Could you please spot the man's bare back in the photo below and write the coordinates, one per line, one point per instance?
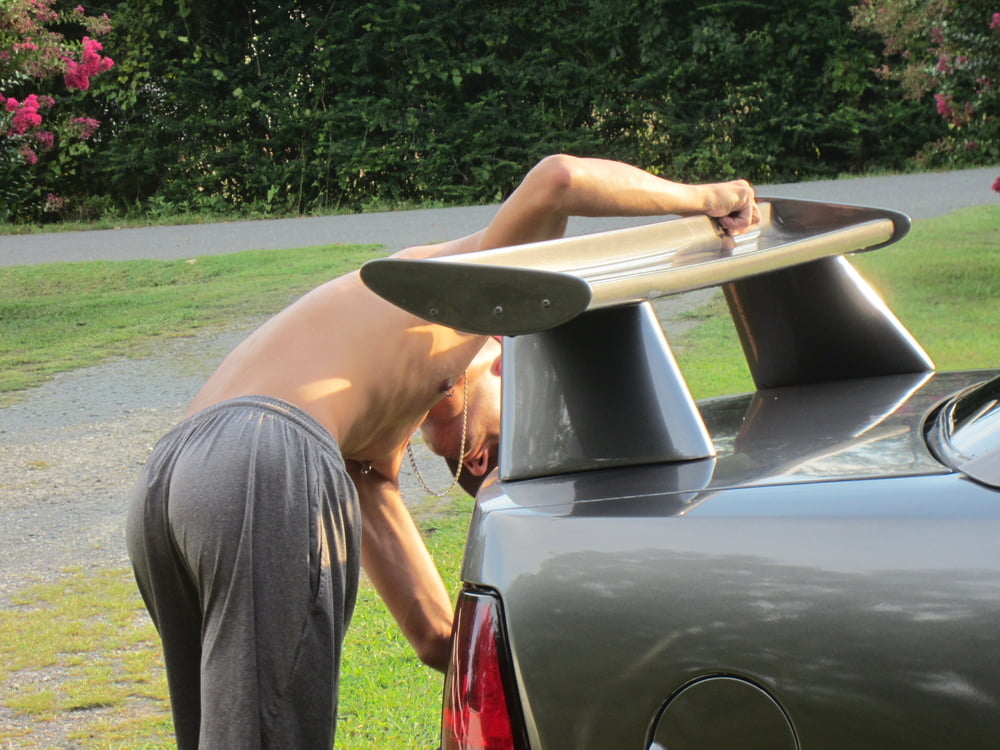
(364, 369)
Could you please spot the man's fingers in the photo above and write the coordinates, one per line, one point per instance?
(741, 219)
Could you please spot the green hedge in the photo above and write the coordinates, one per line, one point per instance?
(298, 106)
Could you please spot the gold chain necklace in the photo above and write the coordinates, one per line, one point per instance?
(461, 450)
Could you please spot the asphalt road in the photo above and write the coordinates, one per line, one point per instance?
(920, 196)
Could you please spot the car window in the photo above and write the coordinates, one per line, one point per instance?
(969, 432)
(975, 421)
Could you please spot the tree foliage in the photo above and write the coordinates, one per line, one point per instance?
(300, 105)
(946, 52)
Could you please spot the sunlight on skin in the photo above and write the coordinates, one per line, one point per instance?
(318, 390)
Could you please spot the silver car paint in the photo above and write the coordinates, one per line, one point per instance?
(824, 556)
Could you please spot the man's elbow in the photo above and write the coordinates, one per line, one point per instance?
(435, 651)
(552, 179)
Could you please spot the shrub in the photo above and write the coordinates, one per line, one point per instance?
(947, 54)
(41, 64)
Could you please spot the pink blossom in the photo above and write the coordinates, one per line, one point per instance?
(43, 13)
(76, 77)
(943, 104)
(78, 74)
(45, 139)
(53, 203)
(995, 22)
(85, 126)
(937, 35)
(25, 114)
(957, 115)
(943, 65)
(29, 156)
(24, 120)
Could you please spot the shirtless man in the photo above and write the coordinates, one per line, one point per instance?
(247, 526)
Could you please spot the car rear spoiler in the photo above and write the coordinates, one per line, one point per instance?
(589, 378)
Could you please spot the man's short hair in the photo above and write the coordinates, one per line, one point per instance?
(468, 481)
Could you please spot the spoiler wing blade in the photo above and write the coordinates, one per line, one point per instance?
(525, 289)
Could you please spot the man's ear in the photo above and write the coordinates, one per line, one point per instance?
(496, 368)
(478, 464)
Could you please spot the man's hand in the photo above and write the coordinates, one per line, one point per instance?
(733, 204)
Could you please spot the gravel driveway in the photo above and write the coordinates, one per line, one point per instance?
(70, 451)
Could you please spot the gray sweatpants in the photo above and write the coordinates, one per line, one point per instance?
(244, 535)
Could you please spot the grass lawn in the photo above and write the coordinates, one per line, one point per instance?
(79, 661)
(63, 316)
(80, 665)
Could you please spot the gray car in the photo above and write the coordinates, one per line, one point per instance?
(811, 565)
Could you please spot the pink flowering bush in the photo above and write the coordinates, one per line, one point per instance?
(78, 74)
(41, 64)
(949, 50)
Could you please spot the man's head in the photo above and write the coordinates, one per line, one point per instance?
(442, 429)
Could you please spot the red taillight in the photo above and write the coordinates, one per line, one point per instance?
(477, 708)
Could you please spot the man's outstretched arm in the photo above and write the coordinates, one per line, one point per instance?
(561, 186)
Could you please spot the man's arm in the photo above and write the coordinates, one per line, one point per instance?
(561, 186)
(396, 560)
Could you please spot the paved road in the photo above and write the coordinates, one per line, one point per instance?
(920, 196)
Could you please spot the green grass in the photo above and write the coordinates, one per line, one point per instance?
(944, 282)
(62, 316)
(388, 700)
(81, 653)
